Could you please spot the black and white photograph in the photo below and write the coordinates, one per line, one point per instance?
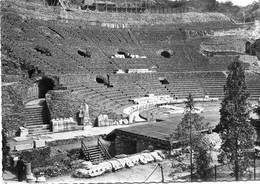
(130, 91)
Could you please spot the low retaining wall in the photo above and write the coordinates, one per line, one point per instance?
(76, 140)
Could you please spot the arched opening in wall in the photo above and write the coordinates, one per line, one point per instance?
(100, 80)
(124, 52)
(248, 47)
(45, 85)
(165, 54)
(163, 80)
(84, 53)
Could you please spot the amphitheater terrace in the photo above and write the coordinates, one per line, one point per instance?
(98, 81)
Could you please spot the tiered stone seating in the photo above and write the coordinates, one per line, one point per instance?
(157, 35)
(253, 87)
(186, 70)
(153, 86)
(138, 85)
(130, 63)
(181, 87)
(109, 98)
(214, 84)
(130, 89)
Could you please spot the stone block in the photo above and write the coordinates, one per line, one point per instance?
(23, 146)
(23, 132)
(39, 143)
(87, 127)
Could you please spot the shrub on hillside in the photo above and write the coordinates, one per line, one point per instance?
(37, 157)
(12, 116)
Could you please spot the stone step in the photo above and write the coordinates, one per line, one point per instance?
(35, 129)
(43, 126)
(30, 118)
(35, 112)
(39, 132)
(41, 114)
(35, 109)
(95, 154)
(37, 121)
(97, 157)
(93, 147)
(94, 150)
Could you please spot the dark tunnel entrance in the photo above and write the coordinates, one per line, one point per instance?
(45, 85)
(166, 54)
(101, 80)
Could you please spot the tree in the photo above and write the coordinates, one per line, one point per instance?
(5, 150)
(188, 134)
(212, 5)
(202, 162)
(234, 127)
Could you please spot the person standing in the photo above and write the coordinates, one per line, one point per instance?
(81, 115)
(20, 169)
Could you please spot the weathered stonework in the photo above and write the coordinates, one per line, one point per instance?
(61, 104)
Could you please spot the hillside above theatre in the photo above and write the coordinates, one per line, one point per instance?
(37, 10)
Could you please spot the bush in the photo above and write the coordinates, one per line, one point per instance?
(75, 154)
(37, 157)
(57, 169)
(12, 116)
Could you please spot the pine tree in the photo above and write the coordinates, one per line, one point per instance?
(189, 123)
(188, 134)
(234, 127)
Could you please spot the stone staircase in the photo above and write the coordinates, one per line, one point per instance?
(37, 119)
(96, 154)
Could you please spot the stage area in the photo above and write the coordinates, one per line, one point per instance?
(174, 113)
(157, 132)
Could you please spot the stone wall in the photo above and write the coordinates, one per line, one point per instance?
(76, 79)
(62, 104)
(124, 146)
(76, 142)
(143, 145)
